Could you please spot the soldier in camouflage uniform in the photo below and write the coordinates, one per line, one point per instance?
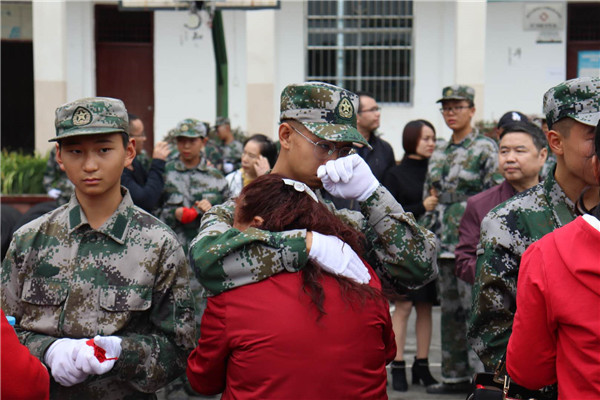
(191, 187)
(317, 129)
(55, 181)
(459, 168)
(227, 155)
(572, 110)
(100, 268)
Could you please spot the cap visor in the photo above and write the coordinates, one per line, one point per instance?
(336, 132)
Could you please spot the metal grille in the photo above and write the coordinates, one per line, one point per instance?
(362, 46)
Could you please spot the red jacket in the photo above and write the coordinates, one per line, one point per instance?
(23, 377)
(262, 341)
(556, 330)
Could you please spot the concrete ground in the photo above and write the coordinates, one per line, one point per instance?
(415, 392)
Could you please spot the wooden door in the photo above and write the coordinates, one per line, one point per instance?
(125, 62)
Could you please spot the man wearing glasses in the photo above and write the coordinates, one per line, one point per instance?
(459, 168)
(317, 130)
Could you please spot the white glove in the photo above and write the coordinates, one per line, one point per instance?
(60, 357)
(54, 193)
(348, 177)
(337, 257)
(99, 359)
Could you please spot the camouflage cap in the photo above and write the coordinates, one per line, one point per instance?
(328, 111)
(222, 121)
(190, 127)
(577, 98)
(90, 116)
(458, 92)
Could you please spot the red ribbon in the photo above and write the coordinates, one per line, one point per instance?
(99, 352)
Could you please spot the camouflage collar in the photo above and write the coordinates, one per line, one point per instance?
(202, 166)
(466, 142)
(115, 227)
(563, 208)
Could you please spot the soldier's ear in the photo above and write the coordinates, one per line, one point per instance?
(555, 142)
(129, 153)
(58, 157)
(285, 132)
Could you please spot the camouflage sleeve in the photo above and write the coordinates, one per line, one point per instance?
(404, 251)
(489, 169)
(149, 361)
(169, 204)
(222, 257)
(494, 292)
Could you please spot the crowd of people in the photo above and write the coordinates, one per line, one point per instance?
(261, 269)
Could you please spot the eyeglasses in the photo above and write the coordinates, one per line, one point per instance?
(325, 149)
(455, 109)
(374, 109)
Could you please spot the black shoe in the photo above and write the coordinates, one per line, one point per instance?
(399, 376)
(450, 388)
(420, 372)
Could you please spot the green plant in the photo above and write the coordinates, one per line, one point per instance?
(22, 173)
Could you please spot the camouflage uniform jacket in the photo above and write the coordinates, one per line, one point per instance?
(401, 251)
(128, 278)
(144, 159)
(458, 171)
(183, 187)
(506, 232)
(56, 178)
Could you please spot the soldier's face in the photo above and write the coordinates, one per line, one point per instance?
(577, 152)
(95, 163)
(189, 149)
(458, 115)
(302, 160)
(519, 160)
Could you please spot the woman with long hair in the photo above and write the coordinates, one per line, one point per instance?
(309, 335)
(405, 182)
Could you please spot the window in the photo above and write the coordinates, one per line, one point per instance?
(362, 46)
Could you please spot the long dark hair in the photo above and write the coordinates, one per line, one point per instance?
(412, 134)
(284, 208)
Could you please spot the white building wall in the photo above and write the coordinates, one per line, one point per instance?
(518, 70)
(184, 72)
(434, 68)
(81, 54)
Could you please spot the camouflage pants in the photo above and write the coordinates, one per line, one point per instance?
(459, 361)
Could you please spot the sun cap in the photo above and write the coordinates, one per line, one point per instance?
(190, 127)
(328, 111)
(457, 92)
(577, 98)
(90, 116)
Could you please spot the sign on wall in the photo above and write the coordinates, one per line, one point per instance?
(544, 17)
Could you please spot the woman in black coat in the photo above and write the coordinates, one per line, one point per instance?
(405, 182)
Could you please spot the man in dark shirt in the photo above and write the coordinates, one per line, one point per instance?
(145, 186)
(521, 157)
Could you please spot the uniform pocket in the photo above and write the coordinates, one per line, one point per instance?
(128, 298)
(43, 303)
